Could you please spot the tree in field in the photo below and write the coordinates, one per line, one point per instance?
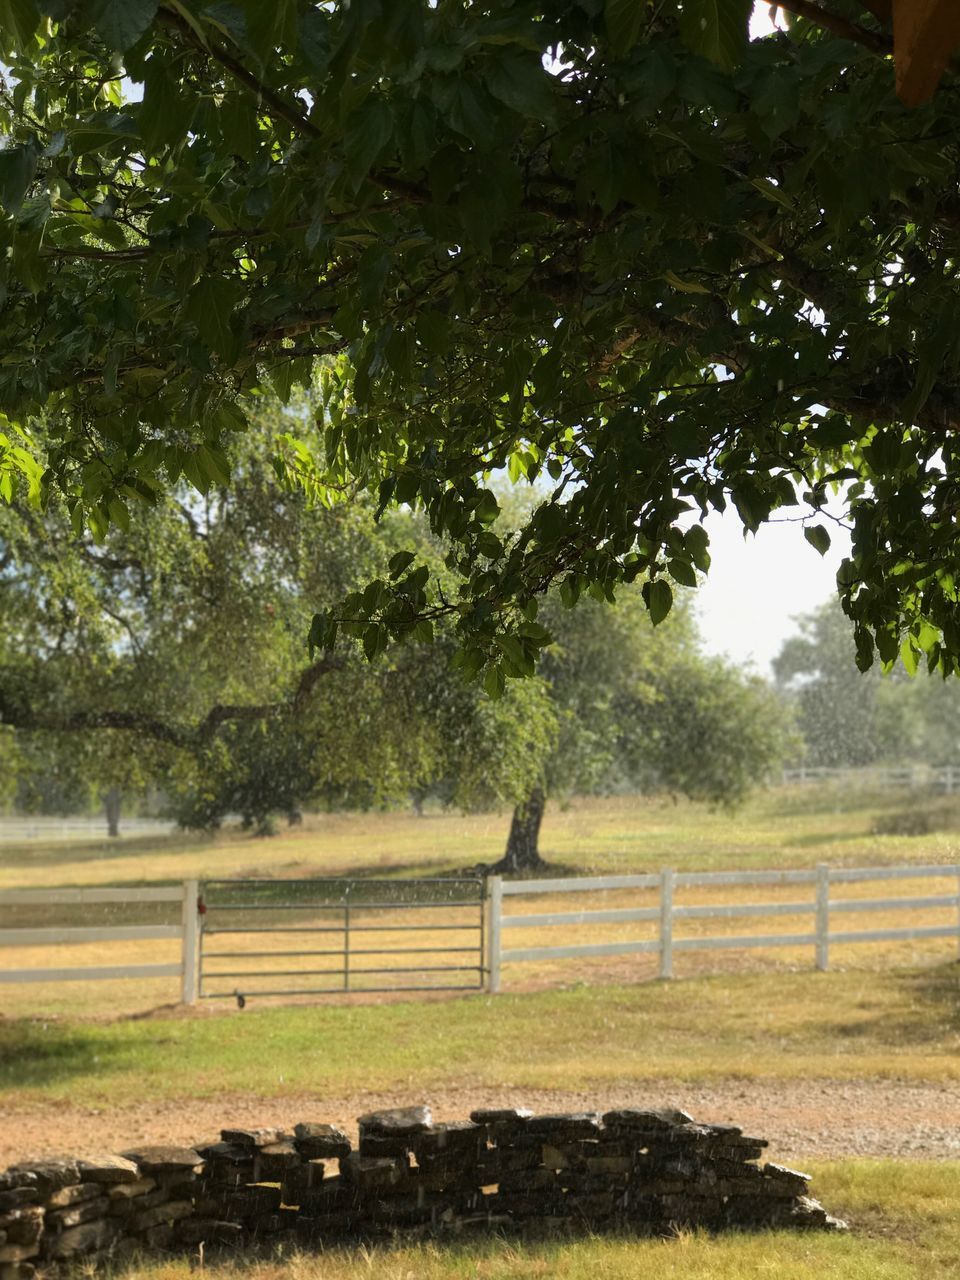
(846, 719)
(174, 654)
(610, 246)
(644, 710)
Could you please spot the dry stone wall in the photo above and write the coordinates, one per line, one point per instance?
(636, 1171)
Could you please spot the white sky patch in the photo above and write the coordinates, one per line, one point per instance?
(758, 585)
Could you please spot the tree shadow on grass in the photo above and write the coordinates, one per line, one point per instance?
(38, 855)
(35, 1054)
(932, 1015)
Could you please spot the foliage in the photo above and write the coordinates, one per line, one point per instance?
(604, 245)
(644, 709)
(174, 653)
(846, 718)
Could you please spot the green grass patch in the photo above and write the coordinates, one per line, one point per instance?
(900, 1024)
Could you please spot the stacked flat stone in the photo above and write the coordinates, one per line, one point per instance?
(645, 1172)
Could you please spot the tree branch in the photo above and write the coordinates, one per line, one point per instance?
(875, 41)
(18, 714)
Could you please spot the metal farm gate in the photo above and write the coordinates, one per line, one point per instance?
(334, 935)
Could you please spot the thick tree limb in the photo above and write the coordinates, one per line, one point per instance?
(875, 41)
(16, 713)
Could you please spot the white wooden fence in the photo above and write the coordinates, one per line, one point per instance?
(910, 777)
(186, 895)
(45, 828)
(820, 907)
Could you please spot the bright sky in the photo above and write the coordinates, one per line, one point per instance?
(757, 585)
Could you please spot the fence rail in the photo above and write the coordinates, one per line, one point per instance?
(820, 908)
(186, 894)
(42, 828)
(910, 777)
(361, 946)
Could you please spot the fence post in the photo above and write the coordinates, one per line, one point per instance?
(191, 897)
(666, 922)
(495, 903)
(823, 916)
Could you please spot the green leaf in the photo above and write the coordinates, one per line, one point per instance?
(487, 508)
(684, 286)
(623, 20)
(19, 19)
(369, 132)
(18, 165)
(521, 82)
(165, 111)
(494, 681)
(864, 642)
(214, 464)
(400, 563)
(121, 23)
(433, 332)
(210, 306)
(910, 655)
(818, 537)
(271, 24)
(696, 541)
(683, 572)
(374, 640)
(716, 29)
(489, 545)
(658, 597)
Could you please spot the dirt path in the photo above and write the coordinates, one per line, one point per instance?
(813, 1118)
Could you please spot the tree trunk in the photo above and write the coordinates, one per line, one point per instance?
(523, 852)
(112, 805)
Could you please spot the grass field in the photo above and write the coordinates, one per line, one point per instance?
(898, 1024)
(781, 827)
(884, 1017)
(904, 1219)
(786, 827)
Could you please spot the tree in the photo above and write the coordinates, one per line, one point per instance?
(173, 653)
(846, 718)
(644, 710)
(608, 245)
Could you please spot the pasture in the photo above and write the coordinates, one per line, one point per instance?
(855, 1072)
(785, 828)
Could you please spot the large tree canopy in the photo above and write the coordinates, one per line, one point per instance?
(607, 246)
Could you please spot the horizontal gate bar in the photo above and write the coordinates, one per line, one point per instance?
(92, 973)
(338, 906)
(623, 915)
(111, 933)
(354, 973)
(364, 880)
(354, 951)
(354, 928)
(339, 991)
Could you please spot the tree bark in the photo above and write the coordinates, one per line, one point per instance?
(523, 843)
(111, 804)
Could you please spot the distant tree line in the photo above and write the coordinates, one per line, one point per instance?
(848, 718)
